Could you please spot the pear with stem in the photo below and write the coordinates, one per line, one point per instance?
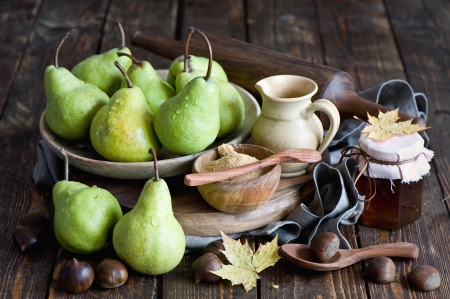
(194, 62)
(143, 75)
(231, 104)
(149, 238)
(122, 130)
(71, 103)
(99, 69)
(189, 122)
(84, 216)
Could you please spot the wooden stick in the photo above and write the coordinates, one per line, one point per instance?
(246, 64)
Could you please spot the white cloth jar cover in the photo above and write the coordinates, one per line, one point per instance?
(407, 150)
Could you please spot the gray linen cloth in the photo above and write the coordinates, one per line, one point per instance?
(335, 201)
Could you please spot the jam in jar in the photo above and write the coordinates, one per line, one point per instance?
(389, 174)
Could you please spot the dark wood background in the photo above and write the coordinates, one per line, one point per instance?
(373, 40)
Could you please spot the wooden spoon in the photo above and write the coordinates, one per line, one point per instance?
(297, 155)
(300, 255)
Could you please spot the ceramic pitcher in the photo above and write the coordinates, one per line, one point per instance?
(287, 119)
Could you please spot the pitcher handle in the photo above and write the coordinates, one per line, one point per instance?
(330, 109)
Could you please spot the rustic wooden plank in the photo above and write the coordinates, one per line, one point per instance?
(16, 20)
(26, 275)
(292, 29)
(358, 40)
(287, 27)
(422, 29)
(157, 17)
(223, 17)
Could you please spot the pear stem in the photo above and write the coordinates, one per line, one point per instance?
(152, 152)
(59, 46)
(186, 48)
(66, 164)
(208, 73)
(127, 79)
(135, 60)
(122, 34)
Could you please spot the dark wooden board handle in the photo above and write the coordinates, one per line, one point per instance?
(246, 64)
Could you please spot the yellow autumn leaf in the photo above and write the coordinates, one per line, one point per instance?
(385, 126)
(246, 266)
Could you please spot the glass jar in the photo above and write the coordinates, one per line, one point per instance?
(394, 205)
(391, 179)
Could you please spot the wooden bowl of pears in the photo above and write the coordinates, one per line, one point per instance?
(239, 194)
(84, 157)
(117, 107)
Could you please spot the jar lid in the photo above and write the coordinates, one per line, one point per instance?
(407, 150)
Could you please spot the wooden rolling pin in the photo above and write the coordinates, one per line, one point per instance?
(246, 64)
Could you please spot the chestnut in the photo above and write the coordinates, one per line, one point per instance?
(424, 278)
(217, 247)
(110, 273)
(39, 216)
(380, 270)
(324, 246)
(75, 276)
(26, 236)
(203, 265)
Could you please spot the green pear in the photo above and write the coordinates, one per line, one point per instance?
(84, 216)
(99, 69)
(231, 104)
(194, 62)
(143, 75)
(188, 122)
(149, 238)
(71, 103)
(122, 130)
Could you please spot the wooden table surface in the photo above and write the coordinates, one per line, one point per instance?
(372, 40)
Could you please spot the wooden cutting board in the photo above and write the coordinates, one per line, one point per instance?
(196, 216)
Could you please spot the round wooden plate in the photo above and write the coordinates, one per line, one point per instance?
(196, 216)
(85, 158)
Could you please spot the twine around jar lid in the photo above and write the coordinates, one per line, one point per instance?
(402, 157)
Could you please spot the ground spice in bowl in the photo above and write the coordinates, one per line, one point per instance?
(231, 159)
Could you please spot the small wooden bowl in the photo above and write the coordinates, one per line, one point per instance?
(236, 197)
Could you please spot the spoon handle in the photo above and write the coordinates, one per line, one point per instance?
(297, 155)
(401, 249)
(196, 179)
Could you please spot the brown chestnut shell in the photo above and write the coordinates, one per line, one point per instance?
(26, 236)
(76, 276)
(110, 273)
(424, 278)
(380, 270)
(217, 247)
(203, 265)
(324, 246)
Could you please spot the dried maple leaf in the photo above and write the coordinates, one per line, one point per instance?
(246, 266)
(386, 125)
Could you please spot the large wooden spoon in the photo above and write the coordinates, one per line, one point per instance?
(297, 155)
(300, 255)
